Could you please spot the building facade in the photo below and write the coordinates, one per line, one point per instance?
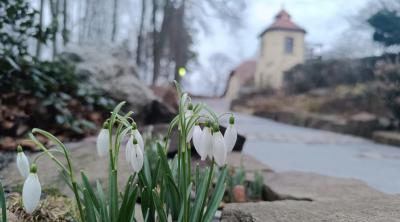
(282, 47)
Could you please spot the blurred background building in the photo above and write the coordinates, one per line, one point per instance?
(282, 47)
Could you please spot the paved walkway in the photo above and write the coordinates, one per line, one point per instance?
(285, 148)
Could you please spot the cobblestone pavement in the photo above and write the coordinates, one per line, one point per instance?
(285, 147)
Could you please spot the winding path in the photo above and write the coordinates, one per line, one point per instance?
(286, 148)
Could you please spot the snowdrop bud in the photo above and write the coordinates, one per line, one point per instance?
(138, 136)
(218, 147)
(22, 163)
(198, 142)
(230, 135)
(136, 157)
(31, 191)
(103, 142)
(207, 143)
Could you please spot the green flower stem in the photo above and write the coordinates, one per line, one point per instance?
(67, 157)
(209, 180)
(40, 155)
(46, 151)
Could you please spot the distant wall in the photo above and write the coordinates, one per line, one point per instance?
(326, 73)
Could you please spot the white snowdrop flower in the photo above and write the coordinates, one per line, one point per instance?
(103, 142)
(22, 163)
(138, 136)
(136, 159)
(189, 135)
(31, 191)
(207, 143)
(198, 142)
(128, 149)
(230, 135)
(218, 148)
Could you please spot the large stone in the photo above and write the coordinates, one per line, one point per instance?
(363, 210)
(334, 199)
(112, 71)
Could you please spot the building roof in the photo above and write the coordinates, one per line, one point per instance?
(245, 71)
(283, 22)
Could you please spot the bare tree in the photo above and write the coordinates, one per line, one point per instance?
(139, 47)
(39, 42)
(180, 20)
(219, 65)
(65, 20)
(114, 20)
(54, 9)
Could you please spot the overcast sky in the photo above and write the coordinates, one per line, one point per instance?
(324, 20)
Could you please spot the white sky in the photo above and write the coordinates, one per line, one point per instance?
(324, 20)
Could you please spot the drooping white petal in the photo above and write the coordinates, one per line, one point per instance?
(189, 135)
(207, 143)
(136, 158)
(219, 149)
(23, 164)
(198, 142)
(128, 149)
(103, 142)
(139, 139)
(230, 137)
(31, 192)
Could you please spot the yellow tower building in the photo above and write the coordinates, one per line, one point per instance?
(282, 47)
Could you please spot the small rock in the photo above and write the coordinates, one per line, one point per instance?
(239, 193)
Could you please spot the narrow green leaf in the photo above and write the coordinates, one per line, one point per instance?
(182, 210)
(113, 195)
(164, 160)
(122, 210)
(103, 203)
(3, 204)
(200, 198)
(174, 198)
(216, 197)
(89, 210)
(162, 217)
(90, 191)
(147, 171)
(130, 206)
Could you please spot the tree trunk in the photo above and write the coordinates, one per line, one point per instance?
(160, 37)
(54, 24)
(156, 62)
(182, 45)
(140, 36)
(114, 21)
(39, 40)
(65, 20)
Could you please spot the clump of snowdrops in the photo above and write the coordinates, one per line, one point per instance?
(169, 191)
